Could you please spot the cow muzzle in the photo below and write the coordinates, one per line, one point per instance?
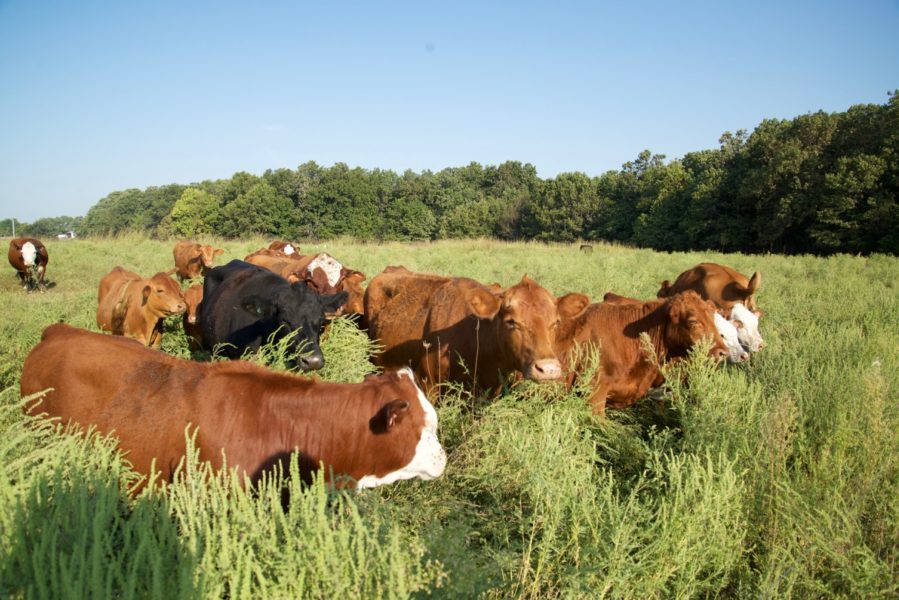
(545, 369)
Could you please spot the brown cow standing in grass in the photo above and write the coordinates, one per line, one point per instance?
(376, 432)
(718, 283)
(625, 374)
(193, 260)
(456, 329)
(323, 273)
(29, 258)
(129, 305)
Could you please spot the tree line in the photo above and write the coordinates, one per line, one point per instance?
(818, 183)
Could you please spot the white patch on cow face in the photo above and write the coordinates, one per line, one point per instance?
(735, 351)
(329, 265)
(29, 253)
(429, 460)
(747, 324)
(288, 250)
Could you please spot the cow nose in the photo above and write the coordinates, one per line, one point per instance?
(719, 354)
(547, 369)
(313, 362)
(744, 356)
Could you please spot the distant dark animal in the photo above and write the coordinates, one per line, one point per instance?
(586, 248)
(366, 434)
(244, 306)
(456, 329)
(29, 258)
(674, 325)
(129, 305)
(193, 260)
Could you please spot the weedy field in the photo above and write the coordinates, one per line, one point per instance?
(775, 479)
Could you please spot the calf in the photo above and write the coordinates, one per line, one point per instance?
(746, 323)
(29, 258)
(456, 329)
(193, 298)
(245, 306)
(375, 432)
(194, 260)
(625, 374)
(718, 283)
(129, 305)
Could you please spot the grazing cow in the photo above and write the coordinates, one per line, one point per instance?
(29, 258)
(718, 283)
(193, 298)
(586, 248)
(322, 272)
(244, 306)
(194, 260)
(129, 305)
(375, 432)
(735, 351)
(456, 329)
(285, 248)
(625, 374)
(746, 323)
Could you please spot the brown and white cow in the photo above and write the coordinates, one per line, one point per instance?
(29, 258)
(323, 273)
(193, 298)
(129, 305)
(718, 283)
(674, 325)
(456, 329)
(375, 432)
(193, 260)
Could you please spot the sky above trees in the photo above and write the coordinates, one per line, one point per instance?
(103, 96)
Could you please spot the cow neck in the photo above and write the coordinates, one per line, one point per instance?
(651, 318)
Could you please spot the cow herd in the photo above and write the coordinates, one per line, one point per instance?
(431, 329)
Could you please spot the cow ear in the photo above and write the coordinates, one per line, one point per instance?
(483, 303)
(571, 305)
(334, 301)
(258, 306)
(389, 415)
(737, 323)
(757, 313)
(665, 290)
(755, 282)
(145, 294)
(171, 272)
(355, 275)
(217, 252)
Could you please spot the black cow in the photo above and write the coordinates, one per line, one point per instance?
(243, 305)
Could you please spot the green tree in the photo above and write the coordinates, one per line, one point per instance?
(196, 213)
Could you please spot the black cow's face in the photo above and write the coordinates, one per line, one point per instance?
(298, 309)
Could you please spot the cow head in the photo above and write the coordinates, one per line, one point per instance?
(728, 332)
(691, 319)
(296, 308)
(162, 296)
(207, 255)
(352, 285)
(192, 298)
(403, 432)
(747, 324)
(526, 317)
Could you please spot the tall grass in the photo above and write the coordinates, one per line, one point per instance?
(775, 479)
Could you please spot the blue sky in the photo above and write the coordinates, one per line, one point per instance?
(103, 96)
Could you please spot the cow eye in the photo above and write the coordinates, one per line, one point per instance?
(511, 324)
(693, 323)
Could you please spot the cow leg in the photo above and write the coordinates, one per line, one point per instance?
(598, 398)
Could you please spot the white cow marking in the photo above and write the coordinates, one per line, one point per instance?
(29, 254)
(735, 351)
(747, 324)
(329, 265)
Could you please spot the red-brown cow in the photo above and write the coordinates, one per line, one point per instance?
(718, 283)
(193, 298)
(129, 305)
(29, 258)
(193, 260)
(376, 432)
(322, 273)
(625, 374)
(456, 329)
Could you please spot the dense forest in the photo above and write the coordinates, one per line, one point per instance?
(818, 183)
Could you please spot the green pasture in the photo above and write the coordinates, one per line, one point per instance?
(777, 479)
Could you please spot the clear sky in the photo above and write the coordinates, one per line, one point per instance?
(104, 96)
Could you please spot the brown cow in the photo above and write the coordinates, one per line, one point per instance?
(718, 283)
(456, 329)
(323, 274)
(193, 298)
(193, 260)
(29, 258)
(129, 305)
(376, 432)
(625, 374)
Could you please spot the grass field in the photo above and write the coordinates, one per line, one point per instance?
(776, 479)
